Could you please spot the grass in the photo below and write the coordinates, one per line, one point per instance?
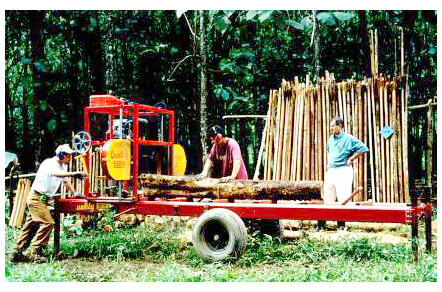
(138, 254)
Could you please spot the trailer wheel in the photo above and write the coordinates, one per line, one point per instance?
(219, 234)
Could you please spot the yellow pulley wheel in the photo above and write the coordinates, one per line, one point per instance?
(179, 160)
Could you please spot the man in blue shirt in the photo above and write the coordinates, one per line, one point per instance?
(343, 149)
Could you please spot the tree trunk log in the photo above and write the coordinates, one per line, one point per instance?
(238, 189)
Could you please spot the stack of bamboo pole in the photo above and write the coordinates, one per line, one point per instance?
(18, 212)
(297, 129)
(98, 181)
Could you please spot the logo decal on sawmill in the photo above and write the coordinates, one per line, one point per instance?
(116, 158)
(91, 207)
(86, 207)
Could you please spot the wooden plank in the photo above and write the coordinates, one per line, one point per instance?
(17, 198)
(21, 210)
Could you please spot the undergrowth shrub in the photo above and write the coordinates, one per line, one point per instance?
(127, 243)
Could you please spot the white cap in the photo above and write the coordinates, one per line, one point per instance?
(64, 148)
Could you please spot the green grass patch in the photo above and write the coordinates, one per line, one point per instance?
(139, 254)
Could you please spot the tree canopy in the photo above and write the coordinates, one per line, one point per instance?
(55, 60)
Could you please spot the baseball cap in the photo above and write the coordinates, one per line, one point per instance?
(215, 130)
(64, 148)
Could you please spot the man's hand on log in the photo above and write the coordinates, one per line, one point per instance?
(200, 176)
(226, 179)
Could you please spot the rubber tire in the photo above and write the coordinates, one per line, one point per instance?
(219, 234)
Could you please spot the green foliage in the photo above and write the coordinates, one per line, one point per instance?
(48, 272)
(56, 59)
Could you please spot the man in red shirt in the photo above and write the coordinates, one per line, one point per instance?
(225, 156)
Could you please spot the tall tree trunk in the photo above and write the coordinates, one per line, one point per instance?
(364, 57)
(203, 86)
(316, 41)
(36, 23)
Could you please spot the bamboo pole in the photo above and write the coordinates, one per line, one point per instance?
(382, 141)
(101, 176)
(90, 170)
(313, 126)
(356, 116)
(306, 134)
(261, 147)
(370, 139)
(285, 137)
(266, 145)
(295, 157)
(290, 135)
(327, 114)
(400, 143)
(376, 142)
(341, 111)
(281, 135)
(277, 121)
(300, 138)
(317, 150)
(363, 124)
(324, 126)
(387, 144)
(372, 58)
(405, 142)
(390, 144)
(270, 140)
(395, 186)
(92, 174)
(320, 114)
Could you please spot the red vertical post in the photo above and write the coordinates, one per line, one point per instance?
(135, 152)
(87, 129)
(171, 140)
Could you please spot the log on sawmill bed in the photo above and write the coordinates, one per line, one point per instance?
(157, 185)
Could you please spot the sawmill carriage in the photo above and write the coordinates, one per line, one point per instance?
(133, 166)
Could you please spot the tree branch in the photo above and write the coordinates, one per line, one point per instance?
(176, 67)
(314, 27)
(190, 27)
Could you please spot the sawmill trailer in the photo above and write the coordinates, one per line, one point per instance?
(220, 231)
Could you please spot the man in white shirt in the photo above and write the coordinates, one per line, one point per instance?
(49, 176)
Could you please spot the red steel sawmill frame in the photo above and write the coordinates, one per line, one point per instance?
(388, 213)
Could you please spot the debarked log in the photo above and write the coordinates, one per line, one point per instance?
(236, 189)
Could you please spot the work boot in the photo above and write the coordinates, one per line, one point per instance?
(37, 256)
(321, 225)
(18, 256)
(60, 256)
(341, 225)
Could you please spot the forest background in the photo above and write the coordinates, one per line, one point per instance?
(202, 64)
